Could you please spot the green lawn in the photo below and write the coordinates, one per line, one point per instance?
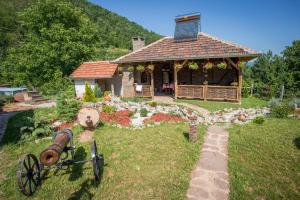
(264, 160)
(153, 163)
(250, 102)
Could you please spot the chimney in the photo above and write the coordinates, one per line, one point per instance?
(187, 27)
(137, 43)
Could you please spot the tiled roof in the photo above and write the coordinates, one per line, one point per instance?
(206, 46)
(97, 69)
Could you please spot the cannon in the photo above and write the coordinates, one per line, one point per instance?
(54, 156)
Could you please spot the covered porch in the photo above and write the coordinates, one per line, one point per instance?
(178, 80)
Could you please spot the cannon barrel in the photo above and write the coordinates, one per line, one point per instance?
(51, 155)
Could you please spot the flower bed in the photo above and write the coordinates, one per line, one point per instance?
(121, 117)
(162, 117)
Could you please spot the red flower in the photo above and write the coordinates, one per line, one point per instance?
(159, 117)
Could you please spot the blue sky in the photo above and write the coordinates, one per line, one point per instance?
(259, 24)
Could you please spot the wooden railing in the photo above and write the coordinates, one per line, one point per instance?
(146, 91)
(191, 91)
(227, 93)
(208, 92)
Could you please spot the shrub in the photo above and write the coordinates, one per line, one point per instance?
(294, 102)
(108, 109)
(281, 110)
(259, 120)
(144, 112)
(36, 127)
(153, 104)
(88, 95)
(245, 90)
(67, 106)
(274, 102)
(97, 91)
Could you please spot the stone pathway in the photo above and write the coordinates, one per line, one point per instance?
(170, 100)
(210, 179)
(4, 117)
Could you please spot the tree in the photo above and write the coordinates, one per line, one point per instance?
(88, 95)
(291, 56)
(271, 71)
(58, 38)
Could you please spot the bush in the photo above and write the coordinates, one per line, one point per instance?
(281, 110)
(153, 104)
(144, 112)
(294, 102)
(88, 95)
(274, 102)
(245, 90)
(67, 106)
(108, 109)
(35, 128)
(259, 120)
(97, 91)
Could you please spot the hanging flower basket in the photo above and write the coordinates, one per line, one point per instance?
(120, 69)
(140, 68)
(222, 65)
(178, 66)
(150, 67)
(131, 68)
(208, 65)
(193, 65)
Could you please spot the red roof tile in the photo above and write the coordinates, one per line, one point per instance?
(206, 46)
(97, 69)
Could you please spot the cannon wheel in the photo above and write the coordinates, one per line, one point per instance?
(28, 174)
(96, 160)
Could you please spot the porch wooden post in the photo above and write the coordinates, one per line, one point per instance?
(240, 86)
(112, 88)
(175, 82)
(152, 84)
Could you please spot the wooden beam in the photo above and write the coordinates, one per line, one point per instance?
(112, 88)
(232, 63)
(175, 81)
(152, 84)
(240, 86)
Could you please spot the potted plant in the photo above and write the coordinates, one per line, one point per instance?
(178, 66)
(140, 68)
(130, 68)
(208, 65)
(150, 67)
(193, 65)
(222, 65)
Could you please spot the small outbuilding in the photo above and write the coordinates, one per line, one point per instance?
(101, 73)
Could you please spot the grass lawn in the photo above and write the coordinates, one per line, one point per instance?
(250, 102)
(153, 163)
(264, 160)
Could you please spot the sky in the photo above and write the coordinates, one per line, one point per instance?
(259, 24)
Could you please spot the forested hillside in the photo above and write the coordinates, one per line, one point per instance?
(42, 41)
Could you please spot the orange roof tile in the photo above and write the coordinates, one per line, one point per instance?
(97, 69)
(206, 46)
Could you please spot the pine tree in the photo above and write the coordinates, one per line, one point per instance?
(88, 95)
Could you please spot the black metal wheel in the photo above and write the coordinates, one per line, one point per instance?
(28, 174)
(97, 161)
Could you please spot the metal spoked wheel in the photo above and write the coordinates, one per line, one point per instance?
(96, 160)
(28, 174)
